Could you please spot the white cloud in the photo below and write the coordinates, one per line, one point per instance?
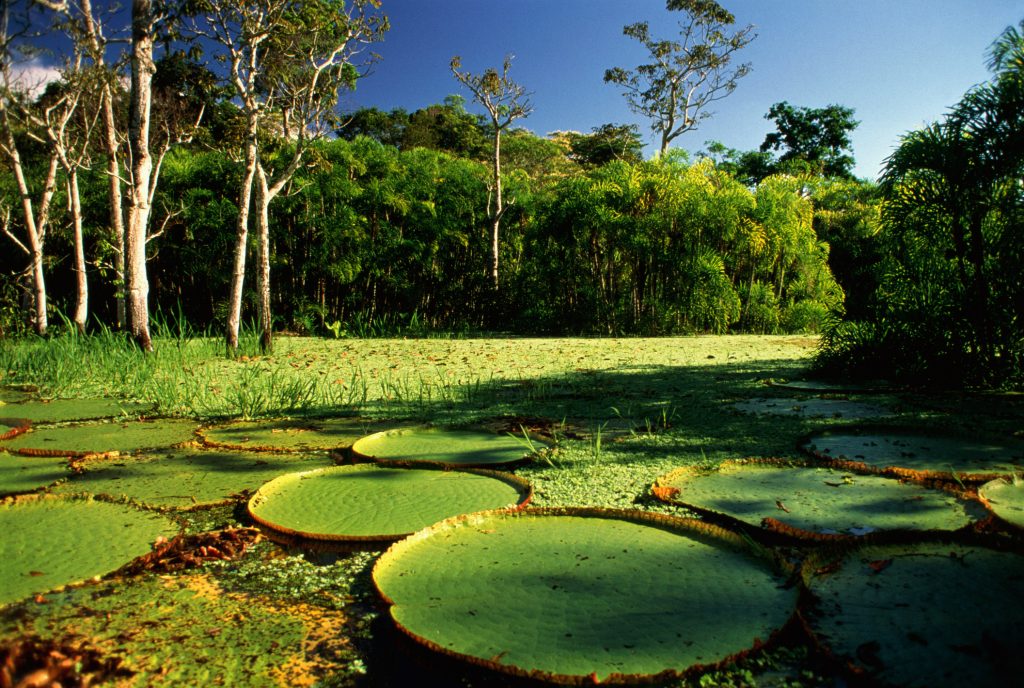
(33, 76)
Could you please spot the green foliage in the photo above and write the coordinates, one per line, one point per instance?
(761, 312)
(947, 306)
(816, 137)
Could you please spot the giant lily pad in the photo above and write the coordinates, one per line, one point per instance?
(20, 474)
(49, 542)
(411, 446)
(184, 478)
(920, 455)
(813, 408)
(102, 438)
(933, 613)
(12, 427)
(1005, 498)
(825, 387)
(288, 434)
(370, 502)
(807, 501)
(63, 410)
(14, 395)
(583, 595)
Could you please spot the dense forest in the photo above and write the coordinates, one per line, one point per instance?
(126, 198)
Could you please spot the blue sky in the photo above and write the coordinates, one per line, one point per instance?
(899, 63)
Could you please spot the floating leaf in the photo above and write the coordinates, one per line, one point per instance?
(808, 501)
(63, 410)
(454, 448)
(932, 613)
(371, 502)
(12, 427)
(583, 595)
(19, 474)
(813, 408)
(185, 478)
(919, 454)
(102, 438)
(289, 434)
(1005, 498)
(49, 542)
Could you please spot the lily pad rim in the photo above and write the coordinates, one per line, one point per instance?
(677, 524)
(17, 426)
(1013, 527)
(293, 535)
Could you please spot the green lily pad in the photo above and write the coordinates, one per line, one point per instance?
(50, 542)
(932, 613)
(813, 408)
(184, 478)
(919, 455)
(289, 434)
(64, 410)
(102, 438)
(12, 427)
(1005, 498)
(808, 501)
(455, 448)
(14, 395)
(583, 595)
(371, 502)
(19, 474)
(823, 387)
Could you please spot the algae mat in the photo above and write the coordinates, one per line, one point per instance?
(370, 502)
(49, 542)
(186, 631)
(579, 595)
(184, 478)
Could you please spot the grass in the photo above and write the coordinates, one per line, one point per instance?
(621, 412)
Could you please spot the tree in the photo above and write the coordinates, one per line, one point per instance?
(505, 102)
(606, 143)
(145, 19)
(287, 60)
(948, 309)
(16, 116)
(816, 137)
(685, 76)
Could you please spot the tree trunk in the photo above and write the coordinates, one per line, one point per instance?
(143, 69)
(110, 145)
(81, 279)
(241, 240)
(35, 227)
(499, 208)
(263, 198)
